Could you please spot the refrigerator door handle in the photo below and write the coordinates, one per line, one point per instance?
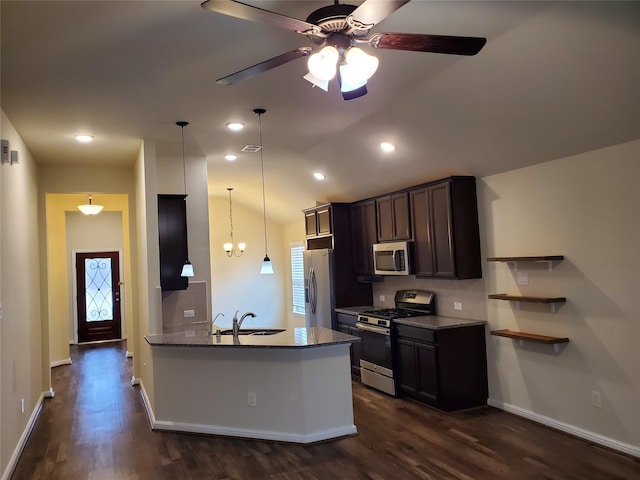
(314, 290)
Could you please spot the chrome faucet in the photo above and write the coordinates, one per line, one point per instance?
(213, 322)
(238, 323)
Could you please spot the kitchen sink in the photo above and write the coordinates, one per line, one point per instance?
(254, 331)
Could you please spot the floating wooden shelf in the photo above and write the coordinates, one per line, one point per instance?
(548, 259)
(522, 298)
(531, 337)
(553, 301)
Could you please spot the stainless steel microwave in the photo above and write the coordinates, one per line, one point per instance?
(392, 258)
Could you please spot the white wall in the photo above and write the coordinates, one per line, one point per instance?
(21, 335)
(236, 282)
(584, 207)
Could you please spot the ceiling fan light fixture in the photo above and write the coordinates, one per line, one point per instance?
(316, 82)
(362, 64)
(322, 64)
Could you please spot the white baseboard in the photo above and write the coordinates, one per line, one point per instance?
(135, 381)
(255, 434)
(57, 363)
(243, 433)
(13, 461)
(611, 443)
(128, 354)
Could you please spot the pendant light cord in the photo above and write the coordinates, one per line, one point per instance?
(264, 205)
(184, 168)
(230, 214)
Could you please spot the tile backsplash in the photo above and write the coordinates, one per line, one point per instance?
(470, 295)
(175, 303)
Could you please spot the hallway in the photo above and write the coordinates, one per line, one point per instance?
(96, 428)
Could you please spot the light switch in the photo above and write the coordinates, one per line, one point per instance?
(189, 313)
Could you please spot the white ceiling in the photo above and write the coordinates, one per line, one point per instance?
(554, 79)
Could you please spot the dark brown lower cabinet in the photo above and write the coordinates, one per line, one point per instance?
(445, 368)
(346, 324)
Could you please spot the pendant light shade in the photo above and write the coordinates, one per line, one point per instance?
(90, 208)
(267, 267)
(187, 268)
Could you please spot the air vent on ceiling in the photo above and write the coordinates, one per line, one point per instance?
(251, 148)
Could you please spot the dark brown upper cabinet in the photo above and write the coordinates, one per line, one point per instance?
(445, 229)
(364, 235)
(393, 217)
(172, 230)
(318, 221)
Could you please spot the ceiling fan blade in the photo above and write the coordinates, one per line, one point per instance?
(427, 43)
(256, 14)
(264, 66)
(371, 12)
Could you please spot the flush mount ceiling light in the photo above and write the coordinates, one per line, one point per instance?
(387, 147)
(230, 157)
(319, 176)
(336, 30)
(229, 246)
(267, 266)
(90, 208)
(83, 138)
(187, 268)
(235, 126)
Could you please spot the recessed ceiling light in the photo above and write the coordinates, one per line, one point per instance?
(387, 147)
(319, 176)
(230, 157)
(235, 126)
(82, 138)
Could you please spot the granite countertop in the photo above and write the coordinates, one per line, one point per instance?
(354, 310)
(291, 338)
(437, 322)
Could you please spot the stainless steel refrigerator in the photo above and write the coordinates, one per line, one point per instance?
(318, 288)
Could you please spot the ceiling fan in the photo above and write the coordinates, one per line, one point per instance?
(336, 30)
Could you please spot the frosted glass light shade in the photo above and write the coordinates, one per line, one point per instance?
(363, 64)
(267, 267)
(323, 84)
(90, 209)
(322, 64)
(187, 270)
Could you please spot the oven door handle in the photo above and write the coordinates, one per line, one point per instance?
(372, 329)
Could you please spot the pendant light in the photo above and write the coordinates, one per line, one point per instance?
(267, 267)
(229, 247)
(90, 208)
(187, 268)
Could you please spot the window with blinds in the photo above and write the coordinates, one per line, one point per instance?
(297, 278)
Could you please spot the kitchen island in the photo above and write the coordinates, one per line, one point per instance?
(292, 386)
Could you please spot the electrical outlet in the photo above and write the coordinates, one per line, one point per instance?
(596, 399)
(457, 305)
(522, 278)
(382, 298)
(22, 405)
(251, 399)
(189, 313)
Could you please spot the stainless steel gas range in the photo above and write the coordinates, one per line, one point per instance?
(376, 332)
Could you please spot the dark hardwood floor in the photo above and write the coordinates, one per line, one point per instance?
(96, 428)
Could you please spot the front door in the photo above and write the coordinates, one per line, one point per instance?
(98, 297)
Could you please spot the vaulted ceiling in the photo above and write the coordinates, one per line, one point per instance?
(554, 79)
